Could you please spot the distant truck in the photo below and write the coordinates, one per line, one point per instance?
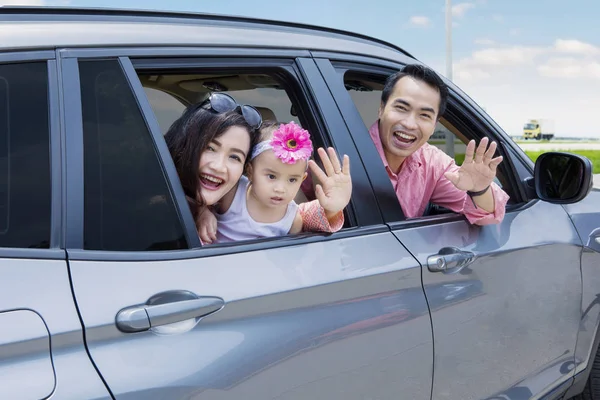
(539, 129)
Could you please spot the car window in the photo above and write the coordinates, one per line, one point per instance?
(24, 156)
(269, 94)
(167, 108)
(170, 94)
(127, 202)
(365, 91)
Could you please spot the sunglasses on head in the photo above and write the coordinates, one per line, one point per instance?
(221, 102)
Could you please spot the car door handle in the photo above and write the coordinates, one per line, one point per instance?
(449, 259)
(145, 316)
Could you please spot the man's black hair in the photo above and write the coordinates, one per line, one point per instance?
(422, 73)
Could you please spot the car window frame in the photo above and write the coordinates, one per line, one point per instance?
(74, 157)
(56, 239)
(150, 58)
(334, 70)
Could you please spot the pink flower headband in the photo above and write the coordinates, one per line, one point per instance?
(290, 143)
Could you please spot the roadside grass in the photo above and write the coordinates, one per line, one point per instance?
(593, 155)
(559, 141)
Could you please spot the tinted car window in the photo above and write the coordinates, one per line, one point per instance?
(127, 202)
(24, 156)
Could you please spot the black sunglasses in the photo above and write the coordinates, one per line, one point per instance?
(221, 102)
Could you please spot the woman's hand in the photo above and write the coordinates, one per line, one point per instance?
(207, 226)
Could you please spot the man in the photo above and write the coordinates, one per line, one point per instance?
(412, 102)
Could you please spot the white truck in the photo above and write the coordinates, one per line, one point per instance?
(539, 129)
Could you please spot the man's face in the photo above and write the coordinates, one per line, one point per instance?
(408, 119)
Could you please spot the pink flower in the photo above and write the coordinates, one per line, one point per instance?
(291, 143)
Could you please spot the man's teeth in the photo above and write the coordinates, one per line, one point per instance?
(212, 179)
(404, 136)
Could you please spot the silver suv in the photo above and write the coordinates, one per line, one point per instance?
(106, 292)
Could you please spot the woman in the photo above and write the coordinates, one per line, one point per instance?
(210, 145)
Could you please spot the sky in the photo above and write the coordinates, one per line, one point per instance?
(519, 59)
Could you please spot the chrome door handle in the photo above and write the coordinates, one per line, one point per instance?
(166, 308)
(449, 259)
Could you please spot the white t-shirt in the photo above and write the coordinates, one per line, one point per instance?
(237, 224)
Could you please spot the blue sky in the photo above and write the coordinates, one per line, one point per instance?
(518, 59)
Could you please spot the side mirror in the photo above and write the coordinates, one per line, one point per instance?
(562, 178)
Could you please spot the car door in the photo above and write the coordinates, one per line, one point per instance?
(41, 344)
(506, 309)
(315, 316)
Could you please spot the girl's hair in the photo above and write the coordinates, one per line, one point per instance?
(189, 136)
(267, 128)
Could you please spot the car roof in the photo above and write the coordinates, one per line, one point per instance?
(55, 27)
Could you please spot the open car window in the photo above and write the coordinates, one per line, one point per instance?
(365, 91)
(170, 92)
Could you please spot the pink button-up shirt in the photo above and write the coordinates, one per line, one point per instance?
(421, 179)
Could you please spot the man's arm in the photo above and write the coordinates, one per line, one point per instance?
(476, 174)
(449, 196)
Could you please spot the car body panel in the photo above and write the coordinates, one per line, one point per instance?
(521, 329)
(42, 287)
(25, 350)
(586, 219)
(39, 31)
(298, 322)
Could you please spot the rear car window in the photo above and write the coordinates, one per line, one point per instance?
(127, 202)
(24, 156)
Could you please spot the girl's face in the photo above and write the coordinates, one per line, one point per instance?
(275, 184)
(222, 163)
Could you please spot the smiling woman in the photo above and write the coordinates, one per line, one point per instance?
(207, 176)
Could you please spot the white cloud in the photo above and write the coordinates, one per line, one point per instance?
(22, 2)
(484, 42)
(459, 10)
(514, 83)
(498, 18)
(516, 55)
(570, 68)
(487, 63)
(514, 32)
(420, 21)
(463, 73)
(575, 47)
(583, 61)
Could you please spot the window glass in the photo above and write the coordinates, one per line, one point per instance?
(365, 91)
(264, 91)
(127, 202)
(24, 156)
(169, 94)
(166, 107)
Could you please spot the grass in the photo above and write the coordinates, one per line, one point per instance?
(593, 155)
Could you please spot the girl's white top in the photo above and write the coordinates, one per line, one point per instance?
(237, 224)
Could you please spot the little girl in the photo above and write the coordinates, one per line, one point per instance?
(263, 204)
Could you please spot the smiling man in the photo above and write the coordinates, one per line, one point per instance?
(412, 102)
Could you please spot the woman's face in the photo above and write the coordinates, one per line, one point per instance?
(222, 163)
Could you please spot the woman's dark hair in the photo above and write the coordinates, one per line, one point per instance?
(423, 74)
(190, 135)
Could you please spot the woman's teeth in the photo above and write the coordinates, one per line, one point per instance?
(212, 179)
